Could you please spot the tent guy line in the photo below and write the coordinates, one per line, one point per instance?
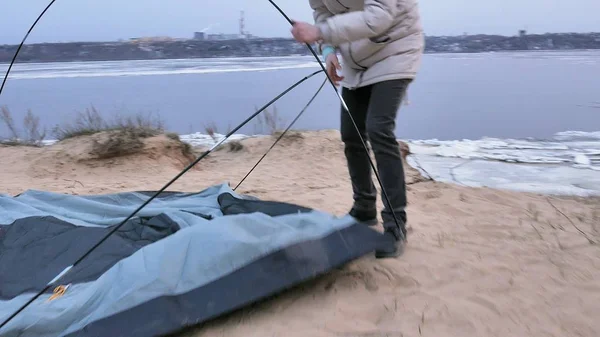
(202, 156)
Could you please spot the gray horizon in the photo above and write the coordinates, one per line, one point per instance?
(112, 20)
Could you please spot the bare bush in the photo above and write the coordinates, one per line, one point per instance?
(211, 130)
(120, 143)
(232, 146)
(124, 142)
(125, 135)
(188, 150)
(91, 122)
(31, 135)
(269, 122)
(289, 135)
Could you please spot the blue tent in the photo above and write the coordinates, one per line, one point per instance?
(182, 260)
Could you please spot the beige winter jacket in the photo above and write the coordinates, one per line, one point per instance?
(378, 39)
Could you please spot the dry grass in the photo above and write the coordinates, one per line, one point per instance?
(124, 142)
(212, 130)
(268, 122)
(187, 148)
(290, 135)
(119, 143)
(126, 134)
(29, 135)
(91, 122)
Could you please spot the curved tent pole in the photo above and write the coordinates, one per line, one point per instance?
(21, 44)
(323, 69)
(202, 156)
(282, 134)
(384, 192)
(386, 197)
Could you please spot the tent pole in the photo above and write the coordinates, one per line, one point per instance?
(202, 156)
(400, 234)
(21, 45)
(282, 134)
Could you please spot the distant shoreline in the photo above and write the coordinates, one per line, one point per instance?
(6, 63)
(139, 50)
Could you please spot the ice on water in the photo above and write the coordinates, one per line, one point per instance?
(567, 164)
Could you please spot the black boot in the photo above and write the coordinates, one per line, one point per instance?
(368, 218)
(394, 240)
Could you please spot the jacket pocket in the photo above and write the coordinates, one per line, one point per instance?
(336, 6)
(381, 39)
(346, 50)
(365, 51)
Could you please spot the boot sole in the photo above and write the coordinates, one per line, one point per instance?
(369, 223)
(387, 254)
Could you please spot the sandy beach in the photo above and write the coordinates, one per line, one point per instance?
(479, 262)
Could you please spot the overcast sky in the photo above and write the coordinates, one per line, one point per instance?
(85, 20)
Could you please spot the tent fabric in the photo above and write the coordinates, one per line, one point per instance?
(187, 258)
(46, 244)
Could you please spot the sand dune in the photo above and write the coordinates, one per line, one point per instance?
(480, 262)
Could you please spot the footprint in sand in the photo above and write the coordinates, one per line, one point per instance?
(433, 195)
(350, 279)
(397, 281)
(487, 304)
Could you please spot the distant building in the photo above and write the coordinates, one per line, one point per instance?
(151, 39)
(222, 37)
(241, 35)
(522, 33)
(199, 36)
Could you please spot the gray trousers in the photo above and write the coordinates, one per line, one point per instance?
(374, 109)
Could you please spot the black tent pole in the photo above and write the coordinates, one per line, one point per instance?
(387, 199)
(21, 44)
(202, 156)
(281, 135)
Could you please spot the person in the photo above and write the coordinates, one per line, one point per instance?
(381, 43)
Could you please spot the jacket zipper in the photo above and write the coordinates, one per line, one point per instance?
(360, 78)
(356, 63)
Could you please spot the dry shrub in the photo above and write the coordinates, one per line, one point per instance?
(232, 146)
(235, 146)
(91, 122)
(119, 143)
(125, 135)
(31, 135)
(126, 142)
(290, 135)
(269, 122)
(187, 149)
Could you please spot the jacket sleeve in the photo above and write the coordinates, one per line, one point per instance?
(320, 15)
(375, 19)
